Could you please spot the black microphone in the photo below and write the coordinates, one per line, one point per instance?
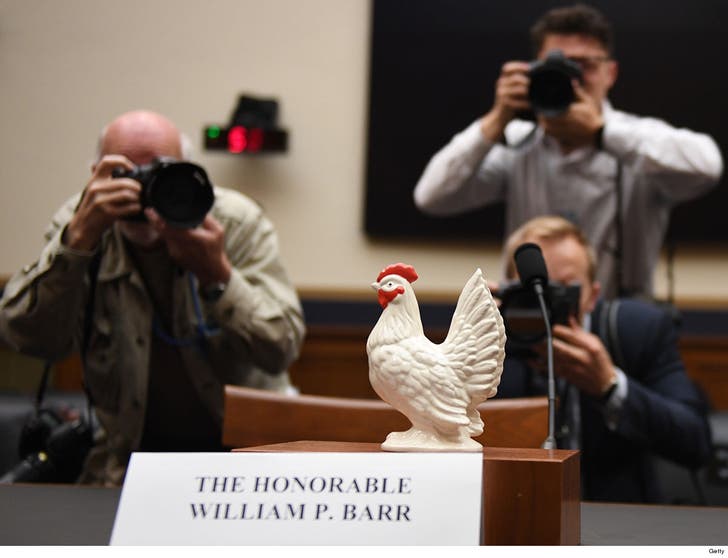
(531, 265)
(531, 269)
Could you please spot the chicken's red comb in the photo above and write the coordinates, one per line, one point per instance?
(401, 269)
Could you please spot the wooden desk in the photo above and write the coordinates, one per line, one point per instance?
(70, 515)
(531, 496)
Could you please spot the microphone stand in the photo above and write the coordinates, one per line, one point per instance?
(550, 441)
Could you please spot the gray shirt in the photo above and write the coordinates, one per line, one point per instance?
(660, 166)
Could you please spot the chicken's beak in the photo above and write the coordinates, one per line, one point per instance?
(375, 286)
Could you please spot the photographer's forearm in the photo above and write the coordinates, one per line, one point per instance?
(77, 236)
(493, 125)
(687, 163)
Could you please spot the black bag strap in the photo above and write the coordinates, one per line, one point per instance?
(93, 272)
(88, 320)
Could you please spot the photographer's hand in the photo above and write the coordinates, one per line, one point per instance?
(494, 289)
(577, 127)
(104, 200)
(200, 250)
(581, 358)
(511, 96)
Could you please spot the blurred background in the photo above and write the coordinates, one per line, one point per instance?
(69, 67)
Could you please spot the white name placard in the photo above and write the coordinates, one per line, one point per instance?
(300, 499)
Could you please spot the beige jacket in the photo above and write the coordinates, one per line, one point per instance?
(42, 312)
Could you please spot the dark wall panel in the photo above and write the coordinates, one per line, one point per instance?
(434, 65)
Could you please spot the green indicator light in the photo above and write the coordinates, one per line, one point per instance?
(213, 132)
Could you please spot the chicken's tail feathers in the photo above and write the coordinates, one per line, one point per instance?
(476, 426)
(474, 304)
(476, 339)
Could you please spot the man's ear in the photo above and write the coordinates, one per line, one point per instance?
(613, 69)
(596, 290)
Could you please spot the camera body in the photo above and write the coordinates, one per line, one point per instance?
(522, 313)
(51, 450)
(179, 191)
(550, 90)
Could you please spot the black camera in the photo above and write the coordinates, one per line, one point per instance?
(522, 313)
(51, 450)
(550, 90)
(179, 191)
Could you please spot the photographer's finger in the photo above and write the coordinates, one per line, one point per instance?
(515, 96)
(155, 220)
(513, 88)
(515, 67)
(494, 289)
(101, 190)
(116, 186)
(579, 92)
(103, 199)
(569, 356)
(106, 165)
(209, 223)
(571, 335)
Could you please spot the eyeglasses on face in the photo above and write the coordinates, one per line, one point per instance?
(589, 63)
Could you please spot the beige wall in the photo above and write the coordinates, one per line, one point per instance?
(67, 67)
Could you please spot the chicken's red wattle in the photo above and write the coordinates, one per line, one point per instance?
(385, 297)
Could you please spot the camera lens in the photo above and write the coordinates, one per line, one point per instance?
(181, 193)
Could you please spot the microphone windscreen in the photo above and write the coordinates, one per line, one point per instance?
(530, 264)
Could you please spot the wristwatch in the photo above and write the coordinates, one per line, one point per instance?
(213, 291)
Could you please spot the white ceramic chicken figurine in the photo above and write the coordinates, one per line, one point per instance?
(437, 387)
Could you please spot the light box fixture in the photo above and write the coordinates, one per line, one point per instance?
(252, 129)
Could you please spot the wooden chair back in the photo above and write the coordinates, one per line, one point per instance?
(256, 417)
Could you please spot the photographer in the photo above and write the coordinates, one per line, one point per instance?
(579, 158)
(622, 388)
(166, 301)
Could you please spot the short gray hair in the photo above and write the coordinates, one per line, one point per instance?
(184, 141)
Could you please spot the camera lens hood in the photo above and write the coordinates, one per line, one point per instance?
(550, 90)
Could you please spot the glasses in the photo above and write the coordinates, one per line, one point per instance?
(588, 63)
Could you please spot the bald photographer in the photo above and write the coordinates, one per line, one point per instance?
(168, 286)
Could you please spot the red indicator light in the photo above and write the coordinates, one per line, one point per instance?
(255, 140)
(237, 139)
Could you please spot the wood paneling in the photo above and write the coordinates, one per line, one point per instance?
(333, 362)
(706, 360)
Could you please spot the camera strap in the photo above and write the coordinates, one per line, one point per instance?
(619, 233)
(608, 332)
(42, 386)
(618, 253)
